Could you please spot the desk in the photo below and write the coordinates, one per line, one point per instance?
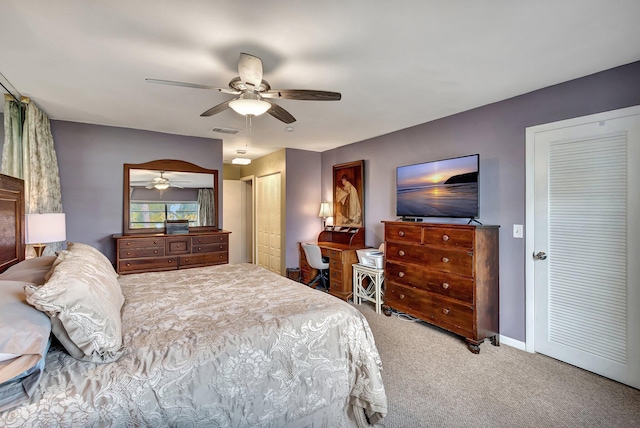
(373, 290)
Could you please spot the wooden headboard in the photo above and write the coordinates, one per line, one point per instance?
(11, 221)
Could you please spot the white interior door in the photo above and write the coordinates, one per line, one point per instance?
(268, 222)
(585, 249)
(232, 210)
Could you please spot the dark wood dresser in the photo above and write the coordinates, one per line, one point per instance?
(157, 252)
(446, 275)
(339, 245)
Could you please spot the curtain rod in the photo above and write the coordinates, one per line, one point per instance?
(11, 97)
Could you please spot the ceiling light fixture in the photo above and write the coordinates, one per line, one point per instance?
(249, 104)
(241, 161)
(161, 186)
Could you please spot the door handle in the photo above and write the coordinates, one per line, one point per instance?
(540, 255)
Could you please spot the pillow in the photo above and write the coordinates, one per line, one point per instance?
(83, 300)
(90, 253)
(24, 340)
(32, 270)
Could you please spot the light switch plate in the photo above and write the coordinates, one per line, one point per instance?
(517, 231)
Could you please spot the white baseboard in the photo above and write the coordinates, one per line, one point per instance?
(504, 340)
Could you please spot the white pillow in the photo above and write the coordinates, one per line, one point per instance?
(83, 300)
(24, 341)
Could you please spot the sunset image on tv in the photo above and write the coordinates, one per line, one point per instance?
(445, 188)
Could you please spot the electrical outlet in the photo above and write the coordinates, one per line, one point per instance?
(517, 231)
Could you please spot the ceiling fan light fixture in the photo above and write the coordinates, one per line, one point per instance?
(249, 104)
(241, 161)
(161, 186)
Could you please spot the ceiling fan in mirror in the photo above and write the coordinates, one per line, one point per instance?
(161, 183)
(254, 94)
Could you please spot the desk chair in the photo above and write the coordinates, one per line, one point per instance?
(314, 257)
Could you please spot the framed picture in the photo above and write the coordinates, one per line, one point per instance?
(348, 194)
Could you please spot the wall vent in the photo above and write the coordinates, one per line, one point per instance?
(232, 131)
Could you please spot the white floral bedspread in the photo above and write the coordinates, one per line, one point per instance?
(221, 346)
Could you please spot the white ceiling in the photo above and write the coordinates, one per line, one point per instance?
(396, 63)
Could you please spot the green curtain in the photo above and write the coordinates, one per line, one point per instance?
(206, 207)
(12, 159)
(29, 153)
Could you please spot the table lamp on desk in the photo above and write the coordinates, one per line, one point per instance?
(42, 229)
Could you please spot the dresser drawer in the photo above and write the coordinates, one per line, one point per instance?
(448, 237)
(450, 285)
(448, 314)
(140, 242)
(128, 253)
(334, 254)
(335, 275)
(335, 264)
(405, 233)
(209, 248)
(447, 260)
(204, 259)
(222, 238)
(175, 246)
(151, 264)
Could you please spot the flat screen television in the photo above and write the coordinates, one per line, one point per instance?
(441, 188)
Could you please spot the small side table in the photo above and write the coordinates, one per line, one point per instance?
(373, 290)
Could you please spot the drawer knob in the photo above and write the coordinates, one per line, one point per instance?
(221, 257)
(128, 243)
(446, 311)
(445, 237)
(155, 251)
(401, 296)
(186, 260)
(128, 264)
(445, 260)
(445, 285)
(170, 261)
(401, 233)
(401, 274)
(401, 253)
(199, 239)
(128, 253)
(155, 242)
(199, 248)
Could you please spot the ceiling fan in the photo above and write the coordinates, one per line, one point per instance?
(255, 94)
(161, 183)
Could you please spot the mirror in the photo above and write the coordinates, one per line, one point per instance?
(167, 189)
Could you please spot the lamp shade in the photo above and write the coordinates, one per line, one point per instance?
(45, 228)
(325, 210)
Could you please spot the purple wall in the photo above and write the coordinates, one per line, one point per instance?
(91, 159)
(497, 133)
(302, 201)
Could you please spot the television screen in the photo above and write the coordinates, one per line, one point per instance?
(442, 188)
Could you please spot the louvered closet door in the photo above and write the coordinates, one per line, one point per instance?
(587, 297)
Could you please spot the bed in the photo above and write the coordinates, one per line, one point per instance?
(228, 345)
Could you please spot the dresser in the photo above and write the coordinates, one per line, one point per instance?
(339, 245)
(446, 275)
(158, 252)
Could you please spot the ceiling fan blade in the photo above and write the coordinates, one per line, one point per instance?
(216, 109)
(191, 85)
(175, 185)
(149, 186)
(302, 94)
(280, 113)
(250, 70)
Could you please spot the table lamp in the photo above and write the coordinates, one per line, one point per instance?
(42, 229)
(325, 211)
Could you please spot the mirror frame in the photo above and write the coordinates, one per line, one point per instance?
(165, 165)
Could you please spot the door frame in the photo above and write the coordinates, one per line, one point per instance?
(530, 201)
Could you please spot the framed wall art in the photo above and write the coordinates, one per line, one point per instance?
(348, 194)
